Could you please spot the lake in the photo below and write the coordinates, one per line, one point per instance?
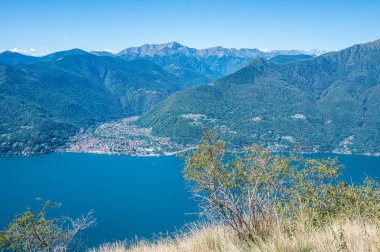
(131, 196)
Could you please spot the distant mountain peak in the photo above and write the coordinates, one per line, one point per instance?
(173, 45)
(373, 44)
(75, 51)
(9, 52)
(175, 48)
(62, 54)
(102, 53)
(13, 58)
(165, 49)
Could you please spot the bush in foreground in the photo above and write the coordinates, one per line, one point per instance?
(34, 231)
(258, 192)
(257, 201)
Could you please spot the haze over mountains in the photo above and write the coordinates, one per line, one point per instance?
(191, 66)
(279, 99)
(195, 67)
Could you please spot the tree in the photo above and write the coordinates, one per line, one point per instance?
(33, 231)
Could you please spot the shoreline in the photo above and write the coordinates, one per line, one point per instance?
(165, 153)
(194, 147)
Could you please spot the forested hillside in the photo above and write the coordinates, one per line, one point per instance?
(326, 104)
(44, 103)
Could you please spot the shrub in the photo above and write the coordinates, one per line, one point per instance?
(33, 231)
(258, 190)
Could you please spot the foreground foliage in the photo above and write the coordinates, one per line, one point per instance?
(34, 231)
(258, 191)
(260, 201)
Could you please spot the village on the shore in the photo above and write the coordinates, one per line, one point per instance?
(123, 137)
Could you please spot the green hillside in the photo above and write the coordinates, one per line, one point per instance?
(45, 103)
(13, 58)
(289, 58)
(326, 104)
(190, 71)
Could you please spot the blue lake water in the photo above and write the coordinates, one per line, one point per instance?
(131, 196)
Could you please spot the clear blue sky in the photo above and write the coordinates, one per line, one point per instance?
(35, 26)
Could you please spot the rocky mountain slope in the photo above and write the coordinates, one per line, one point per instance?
(194, 67)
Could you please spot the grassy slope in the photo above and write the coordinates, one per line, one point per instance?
(340, 236)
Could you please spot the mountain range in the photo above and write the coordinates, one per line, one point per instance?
(194, 67)
(189, 65)
(329, 103)
(279, 99)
